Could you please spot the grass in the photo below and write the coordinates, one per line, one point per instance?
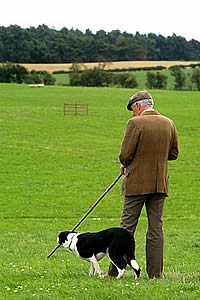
(54, 167)
(62, 79)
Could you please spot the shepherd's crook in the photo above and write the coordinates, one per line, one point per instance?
(88, 212)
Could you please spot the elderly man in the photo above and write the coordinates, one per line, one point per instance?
(150, 140)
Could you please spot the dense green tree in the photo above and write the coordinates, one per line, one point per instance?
(130, 82)
(12, 73)
(150, 80)
(195, 78)
(48, 45)
(125, 80)
(99, 77)
(89, 77)
(37, 77)
(18, 74)
(179, 77)
(156, 80)
(75, 75)
(95, 77)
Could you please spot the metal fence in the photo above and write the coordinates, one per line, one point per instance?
(75, 109)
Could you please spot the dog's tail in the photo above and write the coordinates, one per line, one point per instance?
(131, 259)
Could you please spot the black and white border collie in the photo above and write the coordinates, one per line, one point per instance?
(117, 243)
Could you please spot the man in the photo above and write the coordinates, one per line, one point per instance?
(150, 140)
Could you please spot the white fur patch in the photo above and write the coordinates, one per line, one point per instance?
(120, 273)
(134, 264)
(70, 243)
(66, 244)
(95, 267)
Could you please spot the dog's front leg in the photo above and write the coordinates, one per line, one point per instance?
(92, 270)
(95, 266)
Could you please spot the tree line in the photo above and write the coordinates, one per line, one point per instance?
(154, 80)
(48, 45)
(15, 73)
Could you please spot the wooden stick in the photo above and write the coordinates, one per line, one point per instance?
(54, 250)
(95, 204)
(88, 212)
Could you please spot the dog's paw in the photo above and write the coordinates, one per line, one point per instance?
(101, 275)
(137, 274)
(92, 273)
(120, 273)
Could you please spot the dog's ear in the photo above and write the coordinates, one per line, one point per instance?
(62, 237)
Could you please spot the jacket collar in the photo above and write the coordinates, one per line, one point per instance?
(150, 112)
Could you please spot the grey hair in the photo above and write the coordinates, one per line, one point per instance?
(145, 102)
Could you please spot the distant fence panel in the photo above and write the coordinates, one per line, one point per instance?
(75, 109)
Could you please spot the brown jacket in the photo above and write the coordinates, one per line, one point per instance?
(150, 140)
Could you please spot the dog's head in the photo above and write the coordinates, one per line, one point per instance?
(62, 237)
(65, 239)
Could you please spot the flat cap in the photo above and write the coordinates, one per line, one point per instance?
(142, 95)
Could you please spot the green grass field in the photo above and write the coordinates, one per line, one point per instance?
(54, 167)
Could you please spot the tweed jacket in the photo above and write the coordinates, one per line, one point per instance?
(150, 140)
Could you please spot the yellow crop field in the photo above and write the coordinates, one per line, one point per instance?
(108, 65)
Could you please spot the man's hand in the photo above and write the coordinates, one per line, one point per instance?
(122, 169)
